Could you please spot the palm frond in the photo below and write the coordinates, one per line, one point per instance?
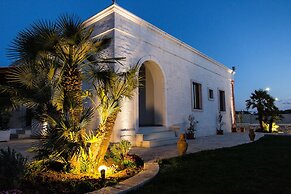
(36, 40)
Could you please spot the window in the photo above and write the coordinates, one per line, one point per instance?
(210, 94)
(197, 95)
(221, 100)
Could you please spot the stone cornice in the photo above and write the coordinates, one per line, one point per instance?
(114, 8)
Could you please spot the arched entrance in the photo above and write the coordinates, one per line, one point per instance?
(151, 95)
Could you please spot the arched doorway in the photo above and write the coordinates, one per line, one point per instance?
(151, 95)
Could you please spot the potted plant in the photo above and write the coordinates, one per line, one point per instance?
(220, 123)
(4, 129)
(191, 130)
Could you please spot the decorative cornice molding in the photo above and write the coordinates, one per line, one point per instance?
(114, 8)
(102, 14)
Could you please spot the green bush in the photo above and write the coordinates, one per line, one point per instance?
(12, 168)
(4, 119)
(119, 152)
(274, 127)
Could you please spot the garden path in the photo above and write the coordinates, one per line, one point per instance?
(196, 145)
(157, 153)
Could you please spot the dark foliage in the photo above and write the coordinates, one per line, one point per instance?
(12, 168)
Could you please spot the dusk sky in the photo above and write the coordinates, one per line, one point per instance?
(252, 35)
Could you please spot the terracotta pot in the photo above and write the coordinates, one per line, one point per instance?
(190, 136)
(182, 145)
(242, 129)
(252, 134)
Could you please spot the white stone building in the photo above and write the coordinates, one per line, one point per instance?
(178, 81)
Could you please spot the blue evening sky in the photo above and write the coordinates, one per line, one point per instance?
(253, 35)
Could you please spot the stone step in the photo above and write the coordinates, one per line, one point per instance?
(158, 143)
(20, 131)
(159, 135)
(20, 134)
(23, 136)
(14, 130)
(13, 136)
(155, 136)
(154, 129)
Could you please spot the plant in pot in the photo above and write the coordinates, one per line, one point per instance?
(4, 128)
(191, 130)
(220, 123)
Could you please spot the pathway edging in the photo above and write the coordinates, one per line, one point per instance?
(151, 169)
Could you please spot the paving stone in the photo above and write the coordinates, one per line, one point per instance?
(151, 156)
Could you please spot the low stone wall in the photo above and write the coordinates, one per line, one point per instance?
(284, 128)
(252, 119)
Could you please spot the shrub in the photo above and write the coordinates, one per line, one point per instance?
(274, 127)
(119, 153)
(12, 168)
(4, 119)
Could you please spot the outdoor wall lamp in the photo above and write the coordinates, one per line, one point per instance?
(233, 70)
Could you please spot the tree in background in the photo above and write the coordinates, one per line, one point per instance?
(272, 115)
(266, 108)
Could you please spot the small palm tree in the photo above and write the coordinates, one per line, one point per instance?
(272, 115)
(264, 103)
(111, 87)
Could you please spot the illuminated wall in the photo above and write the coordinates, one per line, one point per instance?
(178, 64)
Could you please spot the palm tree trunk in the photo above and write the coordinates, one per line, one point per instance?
(271, 125)
(261, 121)
(72, 85)
(109, 125)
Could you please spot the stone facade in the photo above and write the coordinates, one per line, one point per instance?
(170, 68)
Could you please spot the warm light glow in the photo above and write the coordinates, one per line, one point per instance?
(44, 128)
(102, 167)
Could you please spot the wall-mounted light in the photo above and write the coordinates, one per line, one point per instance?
(233, 70)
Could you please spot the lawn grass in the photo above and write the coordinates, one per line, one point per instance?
(260, 167)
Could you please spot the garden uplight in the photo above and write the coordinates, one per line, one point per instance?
(102, 169)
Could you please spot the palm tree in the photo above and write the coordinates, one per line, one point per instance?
(111, 87)
(67, 53)
(264, 103)
(272, 114)
(51, 58)
(68, 42)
